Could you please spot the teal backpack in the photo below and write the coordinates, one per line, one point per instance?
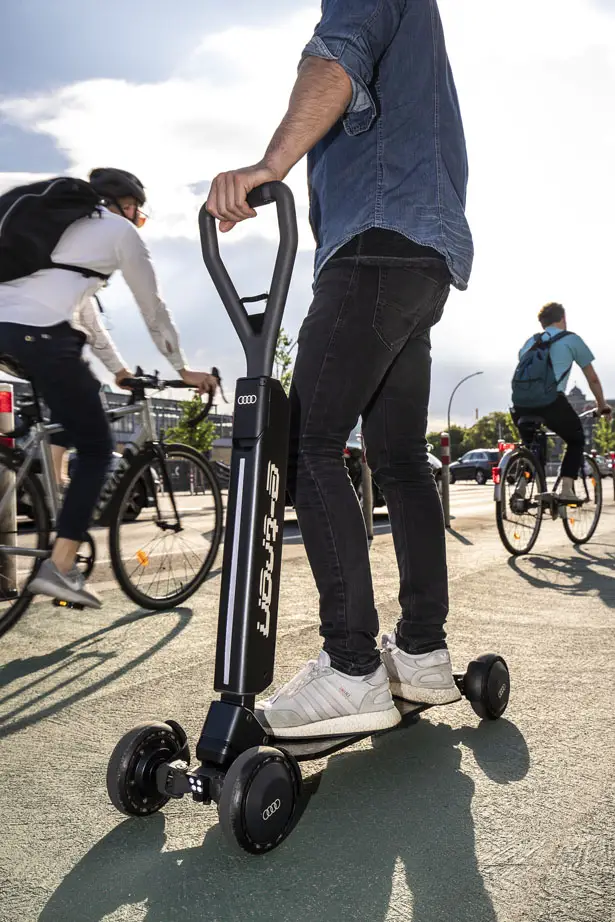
(534, 383)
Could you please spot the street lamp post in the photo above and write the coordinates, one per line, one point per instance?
(455, 389)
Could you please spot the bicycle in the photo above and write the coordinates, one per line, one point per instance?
(160, 556)
(522, 497)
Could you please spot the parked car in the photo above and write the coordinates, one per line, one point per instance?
(604, 465)
(353, 456)
(475, 465)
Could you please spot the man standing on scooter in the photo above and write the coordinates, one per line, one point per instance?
(375, 107)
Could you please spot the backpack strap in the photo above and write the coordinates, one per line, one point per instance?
(554, 339)
(87, 273)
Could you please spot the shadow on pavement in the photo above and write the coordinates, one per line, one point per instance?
(59, 666)
(401, 811)
(570, 575)
(461, 538)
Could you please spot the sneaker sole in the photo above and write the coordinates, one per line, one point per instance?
(338, 726)
(42, 587)
(425, 695)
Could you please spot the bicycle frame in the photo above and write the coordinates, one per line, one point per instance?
(38, 439)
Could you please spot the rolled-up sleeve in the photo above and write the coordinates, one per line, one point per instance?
(356, 34)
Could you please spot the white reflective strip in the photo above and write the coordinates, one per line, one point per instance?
(231, 593)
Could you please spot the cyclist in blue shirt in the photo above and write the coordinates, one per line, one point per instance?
(559, 415)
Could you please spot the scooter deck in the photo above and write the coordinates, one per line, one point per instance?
(305, 748)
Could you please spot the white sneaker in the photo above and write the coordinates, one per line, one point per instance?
(425, 678)
(321, 701)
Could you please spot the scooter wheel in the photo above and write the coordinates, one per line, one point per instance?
(131, 773)
(259, 799)
(487, 686)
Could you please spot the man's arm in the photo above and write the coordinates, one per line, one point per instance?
(136, 266)
(101, 344)
(321, 95)
(596, 388)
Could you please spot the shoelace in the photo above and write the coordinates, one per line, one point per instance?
(310, 671)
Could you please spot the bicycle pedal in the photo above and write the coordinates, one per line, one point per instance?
(62, 603)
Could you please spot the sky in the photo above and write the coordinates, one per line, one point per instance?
(177, 99)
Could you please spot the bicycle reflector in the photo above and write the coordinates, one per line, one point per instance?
(142, 558)
(496, 473)
(6, 416)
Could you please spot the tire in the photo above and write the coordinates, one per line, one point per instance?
(134, 506)
(481, 478)
(129, 576)
(524, 532)
(131, 772)
(487, 686)
(580, 526)
(35, 536)
(259, 800)
(451, 477)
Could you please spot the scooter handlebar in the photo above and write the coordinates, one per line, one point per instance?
(258, 340)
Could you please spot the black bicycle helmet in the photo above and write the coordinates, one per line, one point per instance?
(112, 184)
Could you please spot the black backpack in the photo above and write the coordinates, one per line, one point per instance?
(534, 383)
(32, 220)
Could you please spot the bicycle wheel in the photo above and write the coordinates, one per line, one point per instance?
(518, 512)
(582, 520)
(31, 533)
(161, 557)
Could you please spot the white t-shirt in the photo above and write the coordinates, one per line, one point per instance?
(104, 243)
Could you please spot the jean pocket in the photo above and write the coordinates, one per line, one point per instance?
(409, 303)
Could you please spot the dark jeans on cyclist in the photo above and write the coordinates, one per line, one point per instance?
(51, 358)
(364, 350)
(564, 421)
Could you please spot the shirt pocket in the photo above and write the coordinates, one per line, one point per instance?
(410, 301)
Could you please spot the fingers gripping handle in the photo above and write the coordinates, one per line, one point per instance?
(259, 347)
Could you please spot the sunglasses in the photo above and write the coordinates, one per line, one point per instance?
(134, 214)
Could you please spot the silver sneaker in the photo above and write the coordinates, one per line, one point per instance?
(320, 701)
(68, 587)
(425, 678)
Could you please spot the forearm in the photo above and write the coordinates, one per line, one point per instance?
(595, 386)
(321, 95)
(596, 389)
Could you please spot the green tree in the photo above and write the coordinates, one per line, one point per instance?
(488, 430)
(201, 436)
(604, 435)
(283, 359)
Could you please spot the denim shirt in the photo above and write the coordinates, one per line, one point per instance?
(397, 160)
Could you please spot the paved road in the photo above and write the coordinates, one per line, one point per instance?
(448, 821)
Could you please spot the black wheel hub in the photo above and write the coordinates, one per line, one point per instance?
(141, 770)
(269, 803)
(498, 688)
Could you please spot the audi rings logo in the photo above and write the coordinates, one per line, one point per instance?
(271, 809)
(246, 399)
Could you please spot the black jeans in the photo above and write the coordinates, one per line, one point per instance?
(364, 350)
(51, 358)
(563, 420)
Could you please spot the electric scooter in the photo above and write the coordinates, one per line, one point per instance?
(254, 779)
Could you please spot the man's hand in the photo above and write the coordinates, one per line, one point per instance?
(227, 196)
(605, 409)
(123, 373)
(203, 382)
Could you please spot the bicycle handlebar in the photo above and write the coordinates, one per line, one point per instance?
(140, 383)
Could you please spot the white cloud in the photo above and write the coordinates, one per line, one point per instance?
(536, 83)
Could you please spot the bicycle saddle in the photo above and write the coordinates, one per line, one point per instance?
(530, 421)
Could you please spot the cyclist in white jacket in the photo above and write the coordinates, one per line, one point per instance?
(38, 329)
